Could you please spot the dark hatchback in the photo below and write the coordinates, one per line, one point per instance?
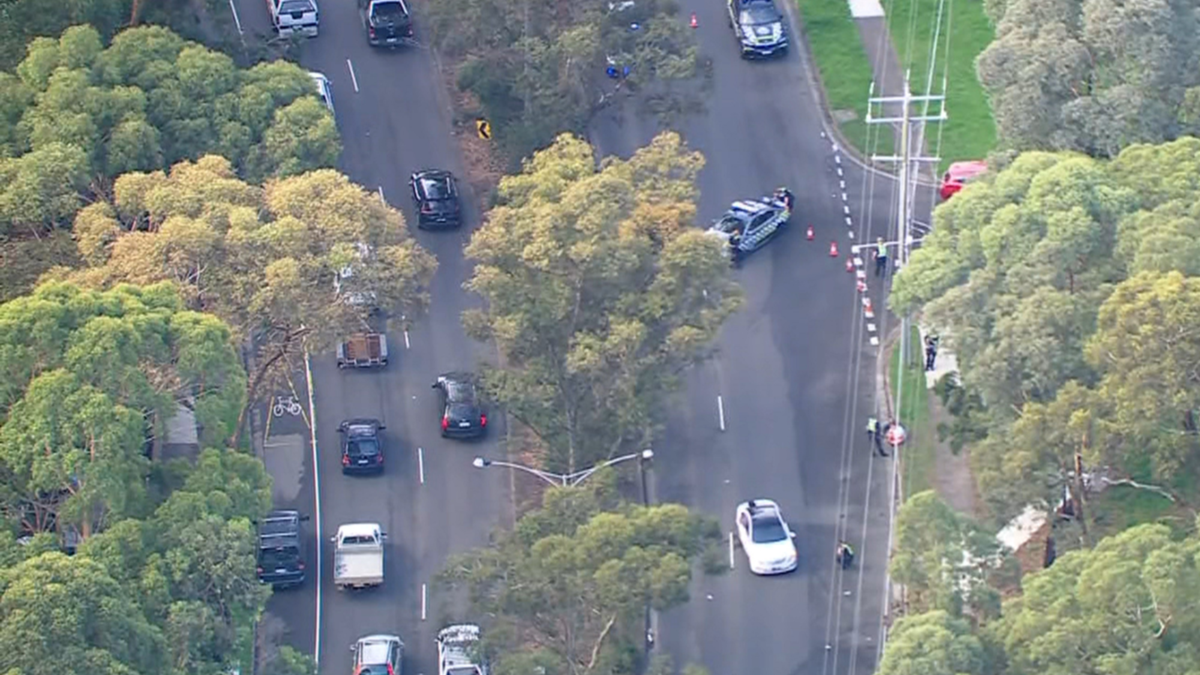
(281, 549)
(362, 447)
(462, 414)
(436, 195)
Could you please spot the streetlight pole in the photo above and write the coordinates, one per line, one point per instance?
(565, 479)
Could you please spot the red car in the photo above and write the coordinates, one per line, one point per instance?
(958, 175)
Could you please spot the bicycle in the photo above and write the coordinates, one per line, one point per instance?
(287, 404)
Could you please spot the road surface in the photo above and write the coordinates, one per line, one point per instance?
(394, 120)
(778, 413)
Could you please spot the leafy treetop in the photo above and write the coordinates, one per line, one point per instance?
(263, 259)
(599, 293)
(76, 114)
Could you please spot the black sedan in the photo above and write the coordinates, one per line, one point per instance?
(436, 195)
(462, 415)
(362, 447)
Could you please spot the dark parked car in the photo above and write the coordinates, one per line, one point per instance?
(388, 23)
(462, 415)
(281, 549)
(436, 195)
(362, 448)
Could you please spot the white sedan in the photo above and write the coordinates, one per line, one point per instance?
(765, 537)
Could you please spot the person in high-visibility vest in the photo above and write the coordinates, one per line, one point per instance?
(845, 555)
(881, 257)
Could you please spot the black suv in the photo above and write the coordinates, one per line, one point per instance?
(281, 549)
(436, 195)
(462, 416)
(362, 448)
(388, 23)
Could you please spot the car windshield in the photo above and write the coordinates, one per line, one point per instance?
(768, 530)
(387, 9)
(462, 670)
(278, 556)
(363, 447)
(460, 392)
(295, 6)
(759, 14)
(436, 188)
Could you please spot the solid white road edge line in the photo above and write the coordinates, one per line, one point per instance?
(353, 79)
(731, 559)
(721, 411)
(406, 343)
(381, 197)
(422, 602)
(312, 416)
(421, 463)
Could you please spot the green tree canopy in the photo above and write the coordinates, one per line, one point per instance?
(945, 560)
(85, 375)
(1092, 76)
(81, 114)
(599, 293)
(1018, 272)
(264, 259)
(63, 615)
(1128, 606)
(537, 69)
(569, 586)
(933, 643)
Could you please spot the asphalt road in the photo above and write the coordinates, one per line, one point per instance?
(779, 413)
(394, 120)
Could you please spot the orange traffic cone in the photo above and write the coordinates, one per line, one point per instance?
(849, 265)
(810, 234)
(862, 286)
(833, 249)
(867, 310)
(695, 23)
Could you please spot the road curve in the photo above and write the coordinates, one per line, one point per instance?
(795, 378)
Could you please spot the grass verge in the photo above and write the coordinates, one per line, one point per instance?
(846, 74)
(970, 131)
(912, 409)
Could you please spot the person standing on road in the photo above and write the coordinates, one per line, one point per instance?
(881, 257)
(931, 349)
(879, 436)
(872, 428)
(845, 555)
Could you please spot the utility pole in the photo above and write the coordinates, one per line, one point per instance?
(907, 178)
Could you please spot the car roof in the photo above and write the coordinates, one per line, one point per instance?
(455, 642)
(749, 208)
(761, 507)
(360, 530)
(964, 170)
(279, 524)
(376, 648)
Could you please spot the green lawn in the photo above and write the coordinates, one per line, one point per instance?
(918, 452)
(970, 132)
(845, 72)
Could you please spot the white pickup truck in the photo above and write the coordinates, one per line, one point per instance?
(358, 555)
(294, 17)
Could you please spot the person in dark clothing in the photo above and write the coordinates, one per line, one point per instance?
(879, 440)
(785, 195)
(845, 555)
(735, 246)
(931, 350)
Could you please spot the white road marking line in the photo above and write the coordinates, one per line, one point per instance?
(731, 559)
(721, 411)
(236, 20)
(353, 79)
(870, 328)
(422, 602)
(840, 172)
(843, 194)
(846, 209)
(842, 184)
(837, 159)
(406, 343)
(705, 292)
(421, 463)
(381, 197)
(312, 415)
(848, 221)
(874, 341)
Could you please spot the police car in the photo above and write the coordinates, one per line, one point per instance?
(757, 221)
(759, 27)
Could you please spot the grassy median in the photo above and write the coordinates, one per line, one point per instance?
(845, 72)
(912, 409)
(970, 131)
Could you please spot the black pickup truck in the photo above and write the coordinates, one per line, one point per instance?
(388, 23)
